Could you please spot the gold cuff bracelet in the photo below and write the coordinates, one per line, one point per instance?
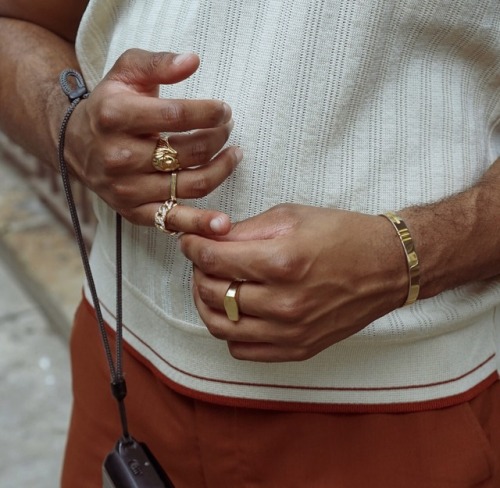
(411, 256)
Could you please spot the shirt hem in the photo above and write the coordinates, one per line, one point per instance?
(314, 406)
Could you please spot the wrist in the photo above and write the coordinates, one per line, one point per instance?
(385, 263)
(412, 261)
(457, 238)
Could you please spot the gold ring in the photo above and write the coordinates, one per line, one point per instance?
(162, 214)
(231, 301)
(173, 186)
(165, 156)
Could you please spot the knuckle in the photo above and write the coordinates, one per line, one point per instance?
(283, 211)
(127, 56)
(197, 222)
(107, 117)
(201, 186)
(215, 329)
(206, 294)
(207, 259)
(134, 61)
(236, 351)
(156, 60)
(129, 215)
(302, 354)
(173, 114)
(199, 151)
(296, 307)
(308, 346)
(287, 214)
(296, 334)
(112, 162)
(285, 265)
(179, 220)
(288, 309)
(121, 193)
(124, 60)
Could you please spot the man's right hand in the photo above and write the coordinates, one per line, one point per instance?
(112, 135)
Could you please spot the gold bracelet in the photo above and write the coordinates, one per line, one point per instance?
(411, 256)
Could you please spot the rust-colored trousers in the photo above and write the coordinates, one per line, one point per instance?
(206, 445)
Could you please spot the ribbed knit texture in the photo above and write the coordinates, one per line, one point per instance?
(367, 105)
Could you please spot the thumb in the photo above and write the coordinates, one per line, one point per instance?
(145, 70)
(260, 227)
(279, 221)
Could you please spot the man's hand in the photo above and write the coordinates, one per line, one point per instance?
(112, 136)
(313, 277)
(316, 276)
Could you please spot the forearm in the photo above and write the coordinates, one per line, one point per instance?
(458, 239)
(32, 103)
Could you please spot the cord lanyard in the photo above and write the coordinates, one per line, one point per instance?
(130, 464)
(74, 87)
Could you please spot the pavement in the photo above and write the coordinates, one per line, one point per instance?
(40, 286)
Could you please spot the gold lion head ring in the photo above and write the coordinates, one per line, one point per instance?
(165, 156)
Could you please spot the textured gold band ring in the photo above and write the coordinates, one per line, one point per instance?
(231, 301)
(165, 156)
(162, 215)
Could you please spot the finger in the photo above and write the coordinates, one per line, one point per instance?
(182, 218)
(200, 146)
(259, 260)
(271, 303)
(187, 219)
(194, 149)
(248, 329)
(137, 191)
(133, 156)
(268, 353)
(141, 115)
(199, 182)
(146, 69)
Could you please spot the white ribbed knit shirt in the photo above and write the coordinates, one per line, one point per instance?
(365, 105)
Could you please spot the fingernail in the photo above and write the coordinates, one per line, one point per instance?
(227, 110)
(217, 224)
(180, 58)
(239, 154)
